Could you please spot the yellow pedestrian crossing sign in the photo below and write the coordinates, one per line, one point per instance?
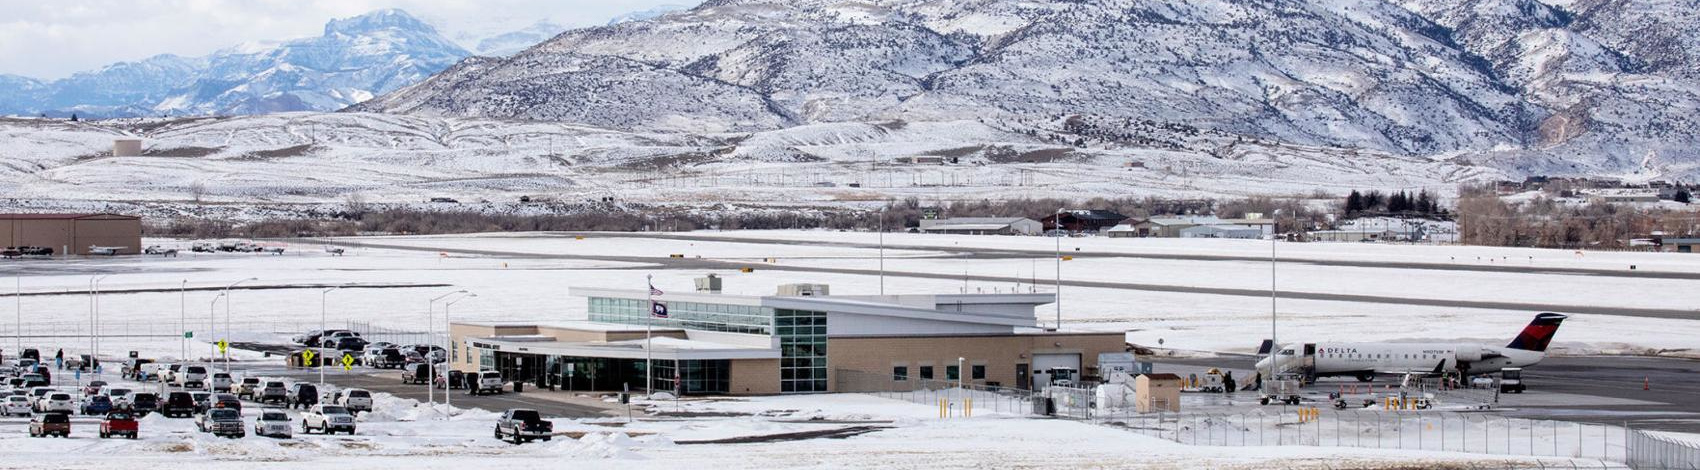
(347, 362)
(223, 346)
(307, 356)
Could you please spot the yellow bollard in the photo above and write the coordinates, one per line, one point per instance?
(968, 409)
(942, 409)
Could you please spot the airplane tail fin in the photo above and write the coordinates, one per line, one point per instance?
(1539, 333)
(1263, 349)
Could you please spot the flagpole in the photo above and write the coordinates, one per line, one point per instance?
(648, 351)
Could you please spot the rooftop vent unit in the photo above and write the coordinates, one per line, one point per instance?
(804, 290)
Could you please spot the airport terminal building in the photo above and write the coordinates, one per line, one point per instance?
(801, 340)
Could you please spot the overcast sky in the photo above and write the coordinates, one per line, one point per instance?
(51, 39)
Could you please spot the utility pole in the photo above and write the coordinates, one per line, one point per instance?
(1274, 240)
(324, 301)
(448, 352)
(183, 319)
(431, 319)
(227, 302)
(1056, 224)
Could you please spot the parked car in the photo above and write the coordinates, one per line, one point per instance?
(219, 382)
(302, 395)
(36, 394)
(356, 400)
(273, 422)
(347, 344)
(273, 392)
(415, 373)
(56, 402)
(327, 419)
(119, 423)
(203, 401)
(35, 380)
(333, 336)
(411, 357)
(221, 422)
(168, 375)
(483, 382)
(178, 405)
(451, 379)
(190, 377)
(120, 396)
(96, 405)
(16, 405)
(143, 403)
(247, 387)
(50, 424)
(93, 387)
(135, 369)
(224, 401)
(523, 425)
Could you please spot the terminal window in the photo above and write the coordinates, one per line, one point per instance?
(900, 373)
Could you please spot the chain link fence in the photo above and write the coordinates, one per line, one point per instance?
(1474, 432)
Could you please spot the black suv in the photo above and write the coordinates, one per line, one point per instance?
(143, 403)
(178, 405)
(303, 395)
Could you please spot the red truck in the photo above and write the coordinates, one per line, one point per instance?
(119, 423)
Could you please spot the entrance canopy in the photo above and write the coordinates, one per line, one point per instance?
(663, 348)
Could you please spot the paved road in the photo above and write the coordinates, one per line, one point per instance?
(714, 264)
(1590, 389)
(1017, 253)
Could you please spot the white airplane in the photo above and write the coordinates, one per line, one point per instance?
(106, 250)
(1367, 360)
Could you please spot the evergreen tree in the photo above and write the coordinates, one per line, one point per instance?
(1425, 203)
(1374, 200)
(1354, 203)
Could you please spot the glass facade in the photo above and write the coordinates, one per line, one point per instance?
(699, 377)
(802, 346)
(687, 315)
(801, 333)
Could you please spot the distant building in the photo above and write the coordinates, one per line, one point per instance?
(1222, 231)
(1625, 196)
(1679, 245)
(1083, 221)
(127, 147)
(72, 233)
(1367, 235)
(983, 226)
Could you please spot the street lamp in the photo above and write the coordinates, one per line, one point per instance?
(448, 352)
(324, 296)
(94, 317)
(1274, 240)
(227, 303)
(183, 320)
(431, 368)
(212, 329)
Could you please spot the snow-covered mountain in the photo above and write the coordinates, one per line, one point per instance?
(1592, 86)
(355, 59)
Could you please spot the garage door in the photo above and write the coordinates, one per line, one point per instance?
(1044, 362)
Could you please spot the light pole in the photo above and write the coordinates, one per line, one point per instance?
(431, 368)
(212, 329)
(1274, 240)
(94, 317)
(324, 299)
(1057, 225)
(447, 353)
(18, 297)
(227, 302)
(183, 320)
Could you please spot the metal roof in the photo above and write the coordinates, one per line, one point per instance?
(64, 216)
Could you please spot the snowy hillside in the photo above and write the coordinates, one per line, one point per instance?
(302, 162)
(1517, 84)
(355, 59)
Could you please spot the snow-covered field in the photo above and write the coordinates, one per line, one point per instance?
(530, 286)
(292, 164)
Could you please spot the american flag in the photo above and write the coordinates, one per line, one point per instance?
(653, 290)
